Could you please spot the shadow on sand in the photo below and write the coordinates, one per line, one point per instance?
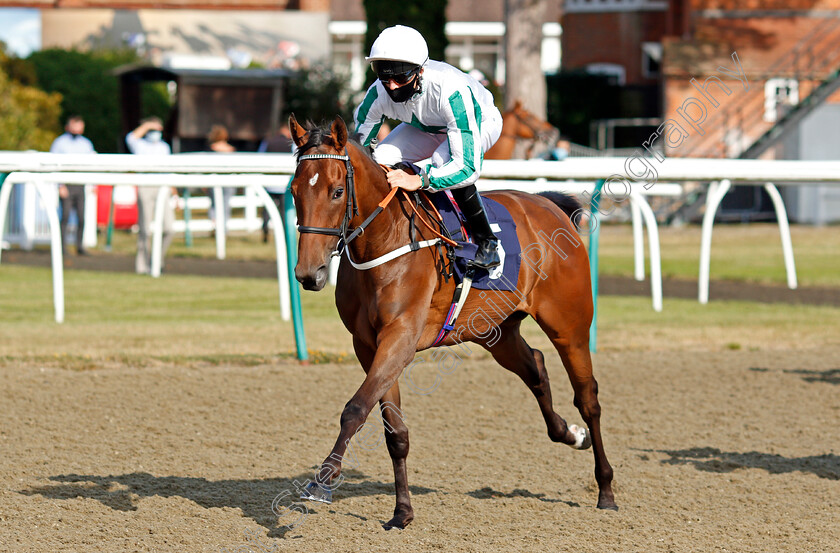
(711, 459)
(490, 493)
(253, 497)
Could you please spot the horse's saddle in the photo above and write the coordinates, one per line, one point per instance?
(505, 276)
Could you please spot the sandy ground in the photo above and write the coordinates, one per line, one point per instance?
(734, 451)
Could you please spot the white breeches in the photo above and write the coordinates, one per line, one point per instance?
(407, 143)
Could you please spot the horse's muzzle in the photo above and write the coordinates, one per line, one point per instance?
(312, 281)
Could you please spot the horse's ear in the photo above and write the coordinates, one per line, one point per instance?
(298, 132)
(339, 132)
(517, 104)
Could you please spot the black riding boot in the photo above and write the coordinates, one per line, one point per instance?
(472, 207)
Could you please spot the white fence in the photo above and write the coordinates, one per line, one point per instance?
(259, 170)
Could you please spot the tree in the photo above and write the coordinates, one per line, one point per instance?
(524, 79)
(89, 89)
(317, 93)
(29, 118)
(427, 16)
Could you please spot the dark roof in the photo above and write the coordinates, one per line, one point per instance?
(143, 72)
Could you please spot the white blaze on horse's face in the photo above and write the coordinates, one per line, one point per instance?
(313, 180)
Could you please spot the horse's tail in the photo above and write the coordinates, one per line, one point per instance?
(565, 202)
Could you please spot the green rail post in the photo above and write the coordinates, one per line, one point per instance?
(109, 233)
(291, 260)
(2, 230)
(594, 236)
(187, 216)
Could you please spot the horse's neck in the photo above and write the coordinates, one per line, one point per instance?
(502, 149)
(389, 230)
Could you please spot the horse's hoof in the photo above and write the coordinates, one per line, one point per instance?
(314, 492)
(399, 521)
(607, 504)
(582, 438)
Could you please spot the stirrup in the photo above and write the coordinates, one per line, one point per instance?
(490, 247)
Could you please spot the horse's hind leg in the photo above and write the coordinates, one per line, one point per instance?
(574, 351)
(513, 353)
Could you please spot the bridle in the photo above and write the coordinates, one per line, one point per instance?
(352, 208)
(538, 133)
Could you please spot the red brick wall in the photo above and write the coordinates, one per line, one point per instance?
(764, 4)
(611, 38)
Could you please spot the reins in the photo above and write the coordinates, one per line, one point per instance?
(352, 210)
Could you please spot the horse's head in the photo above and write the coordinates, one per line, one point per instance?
(530, 126)
(323, 197)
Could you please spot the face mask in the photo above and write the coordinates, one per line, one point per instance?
(403, 93)
(559, 154)
(154, 136)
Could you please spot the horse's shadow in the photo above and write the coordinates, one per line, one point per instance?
(490, 493)
(253, 496)
(710, 459)
(828, 376)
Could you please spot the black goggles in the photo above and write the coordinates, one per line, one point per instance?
(397, 71)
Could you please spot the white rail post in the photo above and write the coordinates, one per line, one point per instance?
(655, 258)
(784, 230)
(55, 250)
(157, 232)
(716, 193)
(638, 242)
(280, 250)
(5, 193)
(221, 224)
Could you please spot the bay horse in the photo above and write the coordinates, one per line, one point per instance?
(396, 309)
(520, 124)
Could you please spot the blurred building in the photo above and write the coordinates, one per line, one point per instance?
(475, 30)
(788, 51)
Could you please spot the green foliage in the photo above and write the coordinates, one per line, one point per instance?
(317, 93)
(29, 118)
(427, 16)
(89, 89)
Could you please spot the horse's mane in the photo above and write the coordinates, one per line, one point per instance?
(565, 202)
(321, 135)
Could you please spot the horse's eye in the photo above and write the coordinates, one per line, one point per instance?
(338, 193)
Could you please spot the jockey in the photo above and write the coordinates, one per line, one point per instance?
(446, 115)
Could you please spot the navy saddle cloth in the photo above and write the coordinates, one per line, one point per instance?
(505, 276)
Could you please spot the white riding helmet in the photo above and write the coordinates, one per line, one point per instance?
(399, 43)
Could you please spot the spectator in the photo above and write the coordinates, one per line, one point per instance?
(72, 196)
(218, 142)
(560, 151)
(279, 142)
(147, 139)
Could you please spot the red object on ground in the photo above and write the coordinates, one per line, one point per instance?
(125, 205)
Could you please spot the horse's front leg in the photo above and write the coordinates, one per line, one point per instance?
(395, 351)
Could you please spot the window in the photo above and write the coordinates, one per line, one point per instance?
(779, 96)
(651, 60)
(610, 69)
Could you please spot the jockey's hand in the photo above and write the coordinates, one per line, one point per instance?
(400, 179)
